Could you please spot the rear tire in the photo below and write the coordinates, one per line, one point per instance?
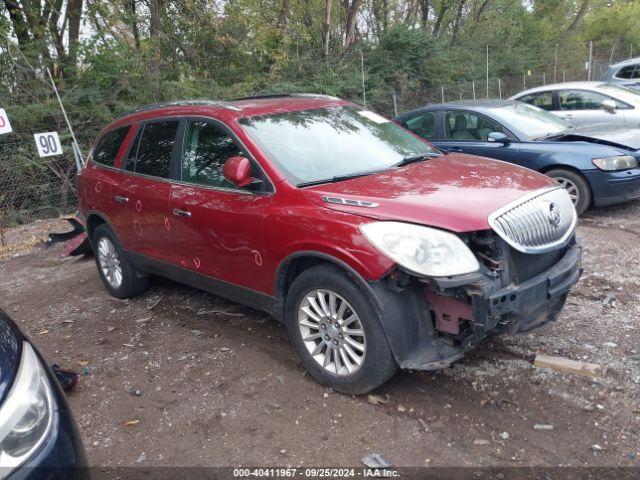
(336, 331)
(576, 185)
(118, 274)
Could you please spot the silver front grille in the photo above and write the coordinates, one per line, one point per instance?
(536, 223)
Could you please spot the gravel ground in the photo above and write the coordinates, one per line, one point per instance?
(179, 377)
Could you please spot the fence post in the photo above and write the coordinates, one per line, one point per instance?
(487, 71)
(395, 105)
(499, 89)
(555, 65)
(590, 60)
(524, 81)
(442, 91)
(544, 78)
(473, 88)
(364, 91)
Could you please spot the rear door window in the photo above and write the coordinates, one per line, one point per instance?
(584, 100)
(423, 125)
(107, 149)
(543, 100)
(468, 126)
(152, 149)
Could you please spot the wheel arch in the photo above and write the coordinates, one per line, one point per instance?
(94, 220)
(294, 264)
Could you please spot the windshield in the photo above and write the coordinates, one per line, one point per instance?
(534, 121)
(313, 145)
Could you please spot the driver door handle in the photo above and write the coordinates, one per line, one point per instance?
(121, 199)
(454, 149)
(181, 213)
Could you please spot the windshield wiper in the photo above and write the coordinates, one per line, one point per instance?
(337, 178)
(416, 158)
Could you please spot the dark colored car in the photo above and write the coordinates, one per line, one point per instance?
(38, 436)
(598, 164)
(373, 248)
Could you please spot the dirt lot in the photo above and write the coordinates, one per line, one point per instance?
(179, 377)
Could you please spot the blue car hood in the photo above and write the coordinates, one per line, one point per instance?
(10, 350)
(615, 135)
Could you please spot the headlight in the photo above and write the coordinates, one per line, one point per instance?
(422, 250)
(620, 162)
(26, 414)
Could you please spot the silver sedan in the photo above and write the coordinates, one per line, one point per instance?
(584, 103)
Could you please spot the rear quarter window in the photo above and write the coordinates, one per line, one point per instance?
(107, 149)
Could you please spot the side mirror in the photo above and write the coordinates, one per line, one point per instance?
(238, 171)
(498, 137)
(609, 106)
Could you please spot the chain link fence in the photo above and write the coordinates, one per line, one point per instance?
(32, 187)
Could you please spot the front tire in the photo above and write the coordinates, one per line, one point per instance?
(118, 274)
(575, 185)
(336, 331)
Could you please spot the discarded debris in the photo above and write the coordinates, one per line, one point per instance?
(570, 366)
(111, 329)
(481, 441)
(609, 301)
(402, 408)
(197, 333)
(130, 423)
(376, 460)
(224, 349)
(542, 426)
(68, 378)
(596, 448)
(220, 312)
(504, 435)
(378, 399)
(141, 458)
(143, 320)
(423, 424)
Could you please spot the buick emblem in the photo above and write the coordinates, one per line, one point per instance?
(554, 215)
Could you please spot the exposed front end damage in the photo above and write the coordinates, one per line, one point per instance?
(432, 322)
(528, 261)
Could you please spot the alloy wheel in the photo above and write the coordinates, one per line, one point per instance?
(332, 332)
(571, 188)
(109, 262)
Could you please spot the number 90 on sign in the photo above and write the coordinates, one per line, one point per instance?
(48, 144)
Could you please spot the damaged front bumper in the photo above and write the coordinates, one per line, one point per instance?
(448, 316)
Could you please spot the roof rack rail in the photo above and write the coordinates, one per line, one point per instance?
(180, 103)
(281, 95)
(265, 95)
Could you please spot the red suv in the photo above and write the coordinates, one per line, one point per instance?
(374, 248)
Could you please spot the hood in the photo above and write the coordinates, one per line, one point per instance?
(615, 135)
(455, 192)
(10, 351)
